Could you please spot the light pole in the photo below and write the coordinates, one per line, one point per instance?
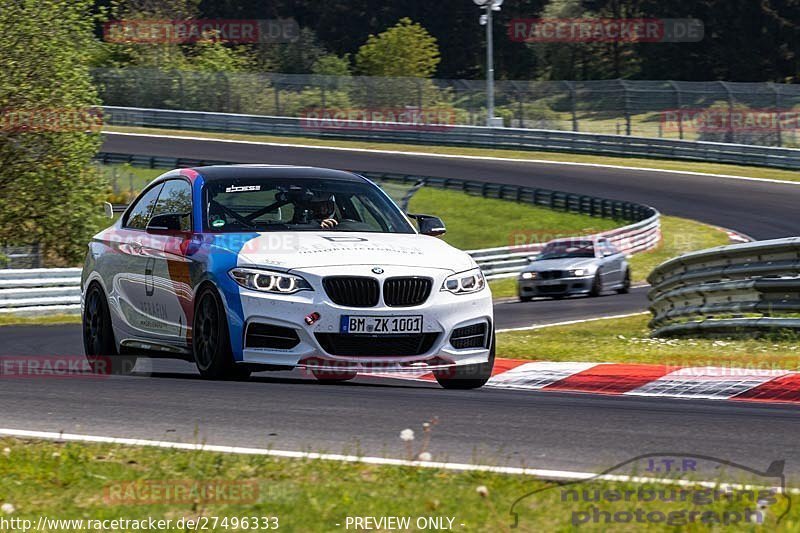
(486, 20)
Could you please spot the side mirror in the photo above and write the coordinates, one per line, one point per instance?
(166, 223)
(430, 225)
(108, 209)
(531, 258)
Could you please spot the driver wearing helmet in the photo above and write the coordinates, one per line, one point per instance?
(324, 211)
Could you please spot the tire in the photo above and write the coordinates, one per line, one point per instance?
(597, 286)
(469, 376)
(211, 344)
(525, 298)
(626, 283)
(98, 336)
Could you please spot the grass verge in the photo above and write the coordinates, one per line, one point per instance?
(110, 482)
(627, 340)
(663, 164)
(14, 320)
(128, 177)
(477, 222)
(679, 236)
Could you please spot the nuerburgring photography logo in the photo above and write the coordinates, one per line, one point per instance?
(663, 490)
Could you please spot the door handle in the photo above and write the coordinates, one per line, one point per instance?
(136, 247)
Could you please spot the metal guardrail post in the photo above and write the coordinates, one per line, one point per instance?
(736, 289)
(511, 138)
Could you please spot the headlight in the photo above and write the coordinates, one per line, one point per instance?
(465, 282)
(266, 281)
(528, 275)
(579, 272)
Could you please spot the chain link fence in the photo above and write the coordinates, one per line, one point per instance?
(745, 113)
(28, 256)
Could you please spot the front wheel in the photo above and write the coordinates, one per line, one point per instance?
(211, 343)
(467, 376)
(98, 336)
(597, 285)
(626, 283)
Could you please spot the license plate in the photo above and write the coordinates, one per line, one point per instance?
(380, 325)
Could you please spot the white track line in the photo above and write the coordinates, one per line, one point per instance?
(448, 156)
(461, 467)
(570, 322)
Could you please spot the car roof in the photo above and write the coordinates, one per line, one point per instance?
(226, 172)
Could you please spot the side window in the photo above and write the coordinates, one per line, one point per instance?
(363, 206)
(140, 214)
(607, 248)
(176, 197)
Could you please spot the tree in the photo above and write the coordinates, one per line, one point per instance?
(163, 55)
(49, 192)
(404, 50)
(332, 65)
(296, 57)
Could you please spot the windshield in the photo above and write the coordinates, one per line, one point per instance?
(305, 204)
(563, 250)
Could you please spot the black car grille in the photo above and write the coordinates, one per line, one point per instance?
(548, 289)
(406, 292)
(551, 274)
(352, 291)
(269, 336)
(376, 345)
(473, 336)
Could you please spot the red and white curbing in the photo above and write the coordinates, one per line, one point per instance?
(709, 383)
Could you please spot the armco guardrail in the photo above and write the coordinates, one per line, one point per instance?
(740, 288)
(35, 291)
(508, 138)
(643, 234)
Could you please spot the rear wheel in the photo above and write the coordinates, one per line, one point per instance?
(211, 343)
(467, 376)
(98, 336)
(525, 298)
(626, 283)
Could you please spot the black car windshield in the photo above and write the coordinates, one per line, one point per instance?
(300, 204)
(563, 250)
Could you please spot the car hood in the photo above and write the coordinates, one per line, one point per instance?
(562, 264)
(302, 249)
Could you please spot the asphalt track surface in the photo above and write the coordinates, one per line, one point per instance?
(168, 400)
(538, 430)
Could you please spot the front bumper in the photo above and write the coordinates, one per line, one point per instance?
(554, 287)
(441, 313)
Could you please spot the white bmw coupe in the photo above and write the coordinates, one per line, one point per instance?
(252, 267)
